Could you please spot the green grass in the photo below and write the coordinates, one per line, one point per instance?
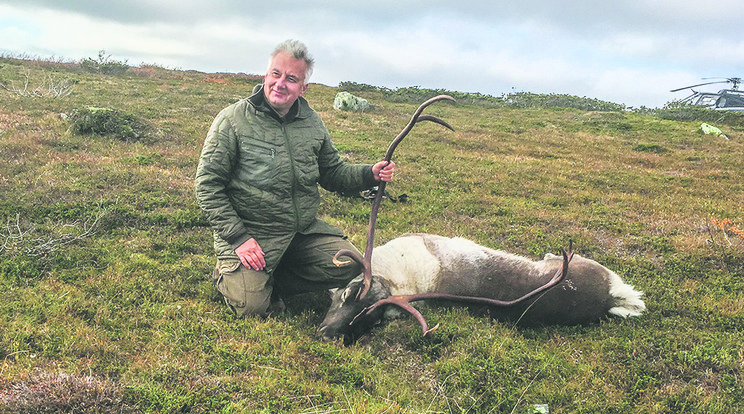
(124, 317)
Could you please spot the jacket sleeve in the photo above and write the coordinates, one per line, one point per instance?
(337, 175)
(213, 175)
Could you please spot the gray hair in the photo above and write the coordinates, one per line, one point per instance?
(297, 50)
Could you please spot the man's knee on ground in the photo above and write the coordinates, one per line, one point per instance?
(250, 308)
(247, 292)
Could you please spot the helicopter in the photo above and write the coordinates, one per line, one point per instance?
(724, 100)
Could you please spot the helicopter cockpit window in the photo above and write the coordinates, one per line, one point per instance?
(707, 100)
(729, 100)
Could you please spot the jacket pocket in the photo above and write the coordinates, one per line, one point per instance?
(257, 162)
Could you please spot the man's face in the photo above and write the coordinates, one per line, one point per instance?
(284, 82)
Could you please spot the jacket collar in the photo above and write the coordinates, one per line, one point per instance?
(299, 110)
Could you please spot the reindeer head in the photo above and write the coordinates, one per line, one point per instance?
(346, 317)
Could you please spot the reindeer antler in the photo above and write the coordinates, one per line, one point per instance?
(417, 117)
(404, 301)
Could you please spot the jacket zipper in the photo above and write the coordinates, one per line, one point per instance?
(293, 187)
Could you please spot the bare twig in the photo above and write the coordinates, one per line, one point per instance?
(17, 238)
(51, 88)
(15, 235)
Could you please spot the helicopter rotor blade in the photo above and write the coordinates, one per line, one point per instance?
(721, 78)
(699, 84)
(734, 81)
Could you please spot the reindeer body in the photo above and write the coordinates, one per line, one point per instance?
(422, 263)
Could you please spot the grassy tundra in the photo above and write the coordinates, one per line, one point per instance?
(106, 304)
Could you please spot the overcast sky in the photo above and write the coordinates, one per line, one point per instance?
(630, 52)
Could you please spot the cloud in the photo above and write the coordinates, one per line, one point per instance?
(600, 50)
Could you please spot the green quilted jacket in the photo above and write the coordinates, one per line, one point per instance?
(258, 176)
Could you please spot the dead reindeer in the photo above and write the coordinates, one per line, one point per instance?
(420, 267)
(555, 290)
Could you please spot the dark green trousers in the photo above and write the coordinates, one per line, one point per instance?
(306, 266)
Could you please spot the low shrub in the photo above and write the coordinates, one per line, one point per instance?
(109, 122)
(104, 65)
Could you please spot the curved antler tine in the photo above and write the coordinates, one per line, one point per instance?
(403, 303)
(435, 120)
(431, 101)
(355, 256)
(412, 122)
(561, 273)
(567, 256)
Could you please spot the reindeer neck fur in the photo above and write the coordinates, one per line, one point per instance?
(407, 264)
